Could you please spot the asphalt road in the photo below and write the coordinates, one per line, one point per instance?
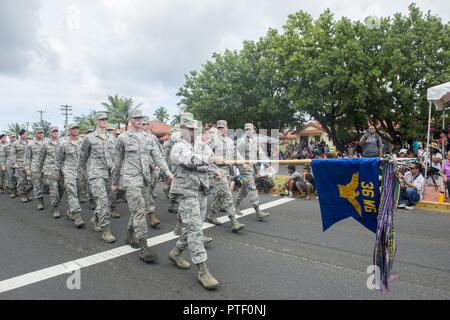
(286, 257)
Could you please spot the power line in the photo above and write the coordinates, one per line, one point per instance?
(65, 112)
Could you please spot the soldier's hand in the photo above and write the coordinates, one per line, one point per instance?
(28, 173)
(114, 188)
(56, 178)
(3, 168)
(169, 176)
(16, 166)
(217, 175)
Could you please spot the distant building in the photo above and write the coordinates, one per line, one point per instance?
(312, 131)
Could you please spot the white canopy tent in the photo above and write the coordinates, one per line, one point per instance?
(439, 96)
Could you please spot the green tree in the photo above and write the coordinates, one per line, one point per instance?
(45, 125)
(14, 128)
(161, 114)
(86, 120)
(118, 109)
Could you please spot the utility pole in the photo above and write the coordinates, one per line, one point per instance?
(40, 117)
(65, 112)
(27, 123)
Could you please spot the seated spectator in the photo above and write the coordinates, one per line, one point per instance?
(412, 185)
(291, 183)
(265, 179)
(445, 172)
(307, 185)
(402, 153)
(410, 154)
(237, 180)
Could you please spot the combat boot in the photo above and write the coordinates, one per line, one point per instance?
(260, 215)
(173, 207)
(238, 210)
(166, 192)
(207, 240)
(131, 240)
(95, 224)
(40, 205)
(70, 215)
(13, 193)
(206, 279)
(212, 219)
(79, 223)
(175, 257)
(56, 213)
(92, 204)
(2, 191)
(115, 212)
(29, 196)
(235, 225)
(146, 254)
(24, 197)
(107, 236)
(152, 220)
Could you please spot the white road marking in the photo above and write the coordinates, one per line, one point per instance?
(70, 266)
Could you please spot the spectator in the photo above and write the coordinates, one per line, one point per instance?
(291, 183)
(445, 172)
(371, 144)
(265, 179)
(415, 146)
(402, 153)
(410, 154)
(412, 185)
(436, 159)
(307, 185)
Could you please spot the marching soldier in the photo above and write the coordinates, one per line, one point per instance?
(111, 148)
(48, 167)
(194, 161)
(18, 161)
(95, 159)
(32, 152)
(11, 180)
(153, 221)
(248, 149)
(222, 197)
(3, 186)
(134, 150)
(85, 190)
(67, 156)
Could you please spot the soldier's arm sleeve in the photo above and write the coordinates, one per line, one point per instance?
(59, 158)
(28, 155)
(2, 155)
(85, 151)
(118, 159)
(159, 159)
(13, 154)
(181, 154)
(41, 159)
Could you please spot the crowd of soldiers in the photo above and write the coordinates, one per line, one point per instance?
(102, 168)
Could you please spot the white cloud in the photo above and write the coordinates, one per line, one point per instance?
(78, 52)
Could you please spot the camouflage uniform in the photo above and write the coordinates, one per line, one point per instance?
(135, 151)
(24, 185)
(32, 152)
(11, 181)
(111, 145)
(47, 165)
(3, 184)
(249, 149)
(191, 186)
(67, 155)
(95, 159)
(222, 197)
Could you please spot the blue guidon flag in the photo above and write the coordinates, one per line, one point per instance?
(348, 188)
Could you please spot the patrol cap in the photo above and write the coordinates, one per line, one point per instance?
(90, 129)
(135, 113)
(249, 126)
(222, 124)
(72, 125)
(187, 115)
(101, 115)
(12, 135)
(54, 128)
(39, 130)
(188, 123)
(111, 127)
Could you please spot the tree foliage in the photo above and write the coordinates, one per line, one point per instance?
(118, 109)
(345, 74)
(161, 114)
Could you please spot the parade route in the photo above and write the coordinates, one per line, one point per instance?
(286, 257)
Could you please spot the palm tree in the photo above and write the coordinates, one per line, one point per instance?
(176, 120)
(118, 109)
(14, 128)
(85, 121)
(161, 114)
